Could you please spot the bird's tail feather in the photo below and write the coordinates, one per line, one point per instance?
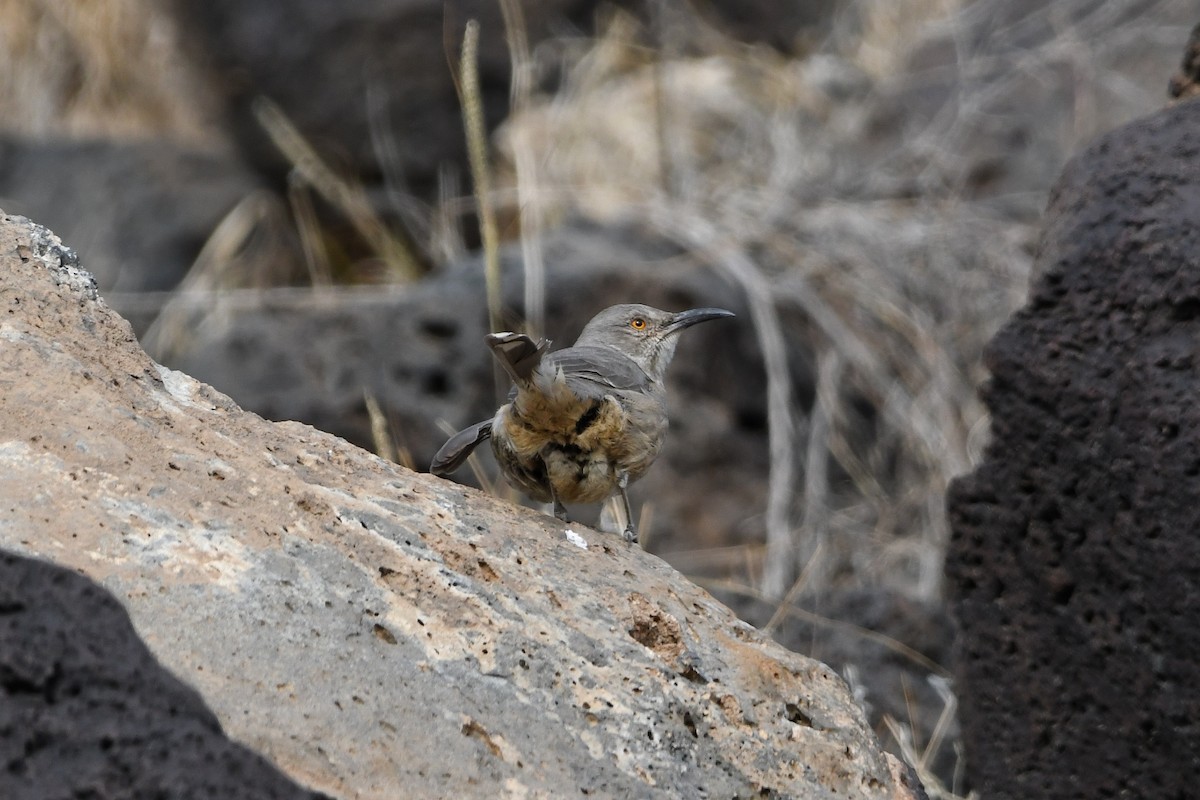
(459, 447)
(517, 353)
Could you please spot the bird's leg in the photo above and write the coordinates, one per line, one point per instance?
(560, 511)
(623, 484)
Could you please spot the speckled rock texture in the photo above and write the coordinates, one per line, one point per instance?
(87, 712)
(378, 633)
(1074, 557)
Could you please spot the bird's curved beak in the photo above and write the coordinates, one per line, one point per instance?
(686, 319)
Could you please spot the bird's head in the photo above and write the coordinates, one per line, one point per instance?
(646, 334)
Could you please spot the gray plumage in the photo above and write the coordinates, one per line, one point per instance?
(582, 423)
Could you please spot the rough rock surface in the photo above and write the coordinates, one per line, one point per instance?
(1074, 556)
(890, 647)
(86, 711)
(377, 632)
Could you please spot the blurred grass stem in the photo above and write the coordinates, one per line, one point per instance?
(350, 199)
(477, 153)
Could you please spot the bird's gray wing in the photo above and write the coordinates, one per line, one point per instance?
(459, 446)
(594, 371)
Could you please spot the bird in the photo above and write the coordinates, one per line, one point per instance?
(584, 422)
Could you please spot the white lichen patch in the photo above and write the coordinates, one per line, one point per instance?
(184, 550)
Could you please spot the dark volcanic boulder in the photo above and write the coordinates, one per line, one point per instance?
(87, 711)
(1075, 554)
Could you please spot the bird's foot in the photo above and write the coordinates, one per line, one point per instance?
(560, 511)
(622, 484)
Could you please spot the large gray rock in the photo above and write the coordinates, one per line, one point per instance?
(377, 632)
(86, 711)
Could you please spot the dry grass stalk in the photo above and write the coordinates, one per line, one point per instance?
(316, 257)
(921, 758)
(99, 69)
(800, 586)
(384, 446)
(447, 244)
(895, 645)
(219, 266)
(525, 163)
(349, 198)
(812, 537)
(481, 174)
(890, 26)
(697, 234)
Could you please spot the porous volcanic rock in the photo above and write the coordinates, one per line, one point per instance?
(86, 711)
(1074, 558)
(379, 633)
(890, 647)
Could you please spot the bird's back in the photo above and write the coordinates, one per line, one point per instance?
(587, 414)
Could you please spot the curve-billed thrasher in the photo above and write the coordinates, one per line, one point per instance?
(583, 422)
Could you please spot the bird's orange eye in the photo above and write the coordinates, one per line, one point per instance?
(637, 323)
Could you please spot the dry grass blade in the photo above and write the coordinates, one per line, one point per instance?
(212, 270)
(384, 448)
(895, 645)
(813, 533)
(798, 588)
(708, 560)
(525, 162)
(348, 198)
(645, 524)
(936, 790)
(316, 258)
(413, 213)
(945, 719)
(108, 70)
(447, 242)
(477, 152)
